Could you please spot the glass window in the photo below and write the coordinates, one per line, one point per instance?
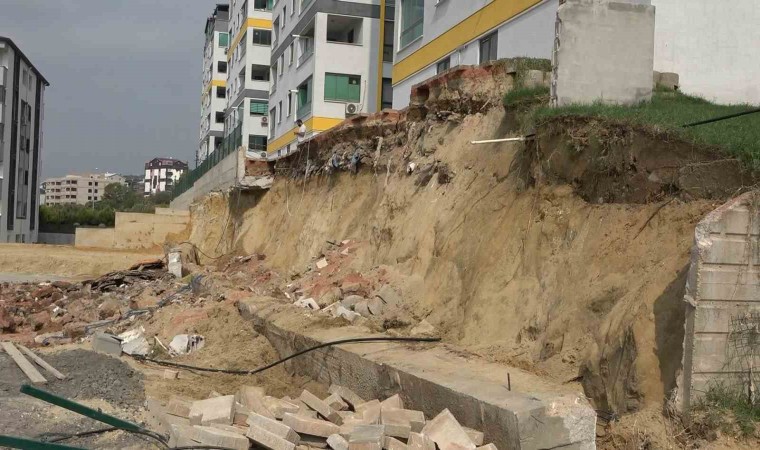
(221, 66)
(387, 93)
(345, 88)
(263, 4)
(489, 48)
(224, 39)
(412, 18)
(220, 92)
(443, 65)
(262, 37)
(219, 117)
(256, 142)
(258, 107)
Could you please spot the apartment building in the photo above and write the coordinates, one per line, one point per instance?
(161, 174)
(78, 189)
(214, 89)
(248, 73)
(435, 35)
(22, 89)
(330, 59)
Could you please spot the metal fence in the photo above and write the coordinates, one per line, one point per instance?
(229, 145)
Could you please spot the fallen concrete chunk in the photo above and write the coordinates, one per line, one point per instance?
(267, 439)
(313, 402)
(374, 434)
(337, 442)
(446, 432)
(181, 436)
(322, 263)
(214, 410)
(351, 301)
(307, 303)
(252, 398)
(475, 436)
(423, 329)
(336, 403)
(106, 343)
(394, 402)
(183, 344)
(133, 342)
(388, 295)
(230, 428)
(391, 443)
(175, 262)
(362, 308)
(346, 394)
(179, 407)
(376, 306)
(306, 425)
(59, 337)
(313, 441)
(487, 447)
(418, 441)
(278, 407)
(342, 311)
(240, 419)
(219, 438)
(370, 411)
(279, 429)
(415, 419)
(364, 446)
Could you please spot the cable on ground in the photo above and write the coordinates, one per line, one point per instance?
(280, 361)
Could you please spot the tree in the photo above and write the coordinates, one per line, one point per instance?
(119, 197)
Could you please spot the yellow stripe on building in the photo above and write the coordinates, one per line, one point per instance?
(264, 24)
(484, 20)
(212, 83)
(314, 124)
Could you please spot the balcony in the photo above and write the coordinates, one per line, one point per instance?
(303, 110)
(305, 56)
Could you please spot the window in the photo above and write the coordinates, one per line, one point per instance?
(387, 93)
(259, 73)
(221, 67)
(388, 41)
(292, 53)
(443, 65)
(343, 88)
(257, 143)
(344, 29)
(272, 116)
(412, 18)
(265, 5)
(224, 39)
(284, 16)
(220, 92)
(290, 103)
(219, 117)
(304, 98)
(89, 190)
(262, 37)
(281, 66)
(488, 48)
(292, 7)
(279, 116)
(258, 107)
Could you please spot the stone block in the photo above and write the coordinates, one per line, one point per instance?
(669, 80)
(178, 407)
(533, 79)
(278, 407)
(266, 438)
(376, 306)
(370, 412)
(391, 443)
(475, 436)
(337, 442)
(419, 441)
(181, 436)
(364, 446)
(336, 403)
(314, 441)
(106, 343)
(347, 395)
(214, 410)
(252, 397)
(368, 434)
(446, 432)
(241, 430)
(324, 410)
(362, 308)
(388, 295)
(322, 263)
(273, 426)
(215, 437)
(414, 419)
(351, 300)
(307, 425)
(240, 418)
(394, 402)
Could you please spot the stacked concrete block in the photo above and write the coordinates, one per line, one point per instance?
(213, 410)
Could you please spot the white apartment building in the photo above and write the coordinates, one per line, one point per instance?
(22, 89)
(214, 89)
(248, 73)
(161, 174)
(330, 59)
(433, 35)
(79, 189)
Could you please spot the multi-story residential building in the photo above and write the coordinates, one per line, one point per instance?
(214, 90)
(79, 189)
(248, 73)
(161, 174)
(329, 60)
(434, 35)
(22, 89)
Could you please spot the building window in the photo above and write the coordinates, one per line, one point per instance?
(256, 142)
(489, 48)
(219, 117)
(443, 65)
(281, 66)
(263, 5)
(284, 16)
(221, 67)
(272, 116)
(387, 93)
(258, 107)
(292, 53)
(89, 190)
(412, 19)
(259, 73)
(388, 41)
(343, 88)
(279, 116)
(220, 92)
(304, 98)
(344, 29)
(224, 39)
(261, 37)
(290, 103)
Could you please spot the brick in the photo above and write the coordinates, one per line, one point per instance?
(279, 429)
(475, 436)
(252, 397)
(370, 412)
(391, 443)
(214, 410)
(347, 395)
(368, 433)
(313, 441)
(214, 437)
(392, 402)
(446, 432)
(336, 403)
(337, 442)
(306, 425)
(364, 446)
(181, 436)
(393, 416)
(230, 428)
(418, 441)
(279, 407)
(240, 418)
(304, 410)
(178, 407)
(268, 439)
(315, 403)
(487, 447)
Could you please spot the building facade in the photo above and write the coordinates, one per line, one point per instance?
(248, 73)
(330, 59)
(78, 189)
(22, 89)
(214, 88)
(435, 35)
(161, 174)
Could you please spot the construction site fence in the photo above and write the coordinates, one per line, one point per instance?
(229, 145)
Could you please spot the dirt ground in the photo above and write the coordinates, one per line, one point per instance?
(58, 261)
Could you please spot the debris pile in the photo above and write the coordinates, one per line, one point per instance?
(341, 421)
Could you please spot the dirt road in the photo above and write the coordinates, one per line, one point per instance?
(55, 261)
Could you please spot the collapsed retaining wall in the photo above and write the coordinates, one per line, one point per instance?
(723, 301)
(135, 230)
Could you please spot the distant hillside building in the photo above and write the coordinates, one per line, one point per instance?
(135, 183)
(162, 173)
(22, 90)
(78, 189)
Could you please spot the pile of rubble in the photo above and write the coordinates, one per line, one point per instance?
(342, 421)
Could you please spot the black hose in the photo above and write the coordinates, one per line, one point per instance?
(269, 366)
(717, 119)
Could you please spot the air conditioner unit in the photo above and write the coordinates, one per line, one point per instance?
(264, 120)
(352, 109)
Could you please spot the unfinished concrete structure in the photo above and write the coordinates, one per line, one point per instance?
(135, 230)
(722, 298)
(604, 52)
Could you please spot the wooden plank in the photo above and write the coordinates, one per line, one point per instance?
(42, 363)
(34, 375)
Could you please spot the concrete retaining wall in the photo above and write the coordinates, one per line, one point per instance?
(134, 230)
(722, 296)
(605, 52)
(55, 238)
(222, 176)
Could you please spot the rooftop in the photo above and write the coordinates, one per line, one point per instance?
(9, 41)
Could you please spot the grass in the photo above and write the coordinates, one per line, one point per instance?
(525, 97)
(668, 110)
(719, 402)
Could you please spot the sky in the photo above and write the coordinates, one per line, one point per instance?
(125, 79)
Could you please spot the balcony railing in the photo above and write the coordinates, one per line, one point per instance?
(229, 144)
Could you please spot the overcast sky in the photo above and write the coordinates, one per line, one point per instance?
(125, 78)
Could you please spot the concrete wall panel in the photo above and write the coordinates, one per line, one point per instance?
(95, 237)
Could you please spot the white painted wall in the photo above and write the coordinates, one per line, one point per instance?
(712, 45)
